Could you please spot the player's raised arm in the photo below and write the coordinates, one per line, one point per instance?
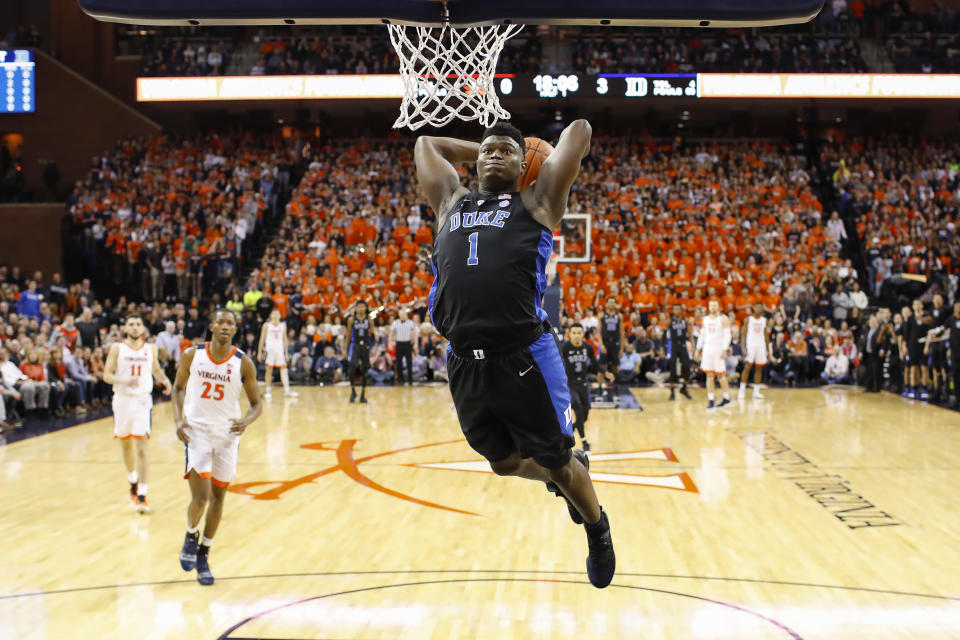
(560, 169)
(435, 159)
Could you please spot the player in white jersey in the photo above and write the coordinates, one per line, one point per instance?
(755, 330)
(131, 368)
(206, 409)
(272, 351)
(711, 348)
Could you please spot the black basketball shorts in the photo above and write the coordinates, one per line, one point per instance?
(915, 353)
(515, 401)
(359, 359)
(580, 401)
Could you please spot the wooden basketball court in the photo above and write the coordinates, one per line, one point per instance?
(811, 514)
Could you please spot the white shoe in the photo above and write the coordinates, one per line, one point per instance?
(743, 394)
(268, 395)
(290, 393)
(757, 395)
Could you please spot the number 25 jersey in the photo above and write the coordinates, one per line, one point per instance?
(212, 398)
(489, 262)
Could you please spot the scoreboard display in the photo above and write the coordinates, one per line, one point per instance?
(17, 81)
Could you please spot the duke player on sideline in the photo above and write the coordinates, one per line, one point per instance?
(579, 361)
(206, 409)
(131, 368)
(755, 330)
(490, 256)
(358, 332)
(272, 351)
(711, 350)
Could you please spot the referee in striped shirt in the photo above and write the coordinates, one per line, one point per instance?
(404, 333)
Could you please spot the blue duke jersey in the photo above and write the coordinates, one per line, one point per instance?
(360, 332)
(676, 336)
(489, 262)
(578, 362)
(610, 328)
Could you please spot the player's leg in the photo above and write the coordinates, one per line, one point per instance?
(584, 392)
(268, 381)
(198, 466)
(684, 372)
(673, 365)
(143, 468)
(535, 408)
(123, 419)
(128, 449)
(744, 376)
(710, 387)
(364, 358)
(579, 419)
(352, 364)
(285, 379)
(224, 469)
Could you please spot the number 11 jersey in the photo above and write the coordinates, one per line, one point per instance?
(489, 262)
(212, 398)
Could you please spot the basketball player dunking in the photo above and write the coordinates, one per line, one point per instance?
(206, 409)
(506, 375)
(358, 332)
(755, 329)
(711, 350)
(131, 368)
(272, 351)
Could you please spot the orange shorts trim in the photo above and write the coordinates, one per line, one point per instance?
(716, 373)
(204, 475)
(218, 482)
(276, 366)
(130, 436)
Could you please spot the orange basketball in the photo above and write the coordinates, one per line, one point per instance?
(537, 152)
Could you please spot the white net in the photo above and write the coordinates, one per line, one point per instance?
(448, 72)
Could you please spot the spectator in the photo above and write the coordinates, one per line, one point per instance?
(35, 396)
(630, 362)
(328, 369)
(837, 369)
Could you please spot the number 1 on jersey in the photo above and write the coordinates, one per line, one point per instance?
(135, 370)
(472, 259)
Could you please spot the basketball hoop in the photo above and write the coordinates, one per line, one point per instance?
(448, 73)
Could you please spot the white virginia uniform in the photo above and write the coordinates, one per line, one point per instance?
(712, 346)
(211, 404)
(273, 345)
(132, 406)
(756, 341)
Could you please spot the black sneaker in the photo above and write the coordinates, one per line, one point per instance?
(554, 489)
(133, 493)
(723, 403)
(673, 396)
(188, 553)
(685, 393)
(586, 447)
(204, 576)
(353, 395)
(363, 399)
(602, 562)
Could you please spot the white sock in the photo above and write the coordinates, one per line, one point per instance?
(205, 541)
(195, 528)
(132, 477)
(726, 395)
(743, 386)
(756, 386)
(710, 397)
(142, 489)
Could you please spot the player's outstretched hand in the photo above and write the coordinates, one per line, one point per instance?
(182, 432)
(239, 426)
(167, 387)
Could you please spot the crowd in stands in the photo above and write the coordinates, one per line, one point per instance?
(22, 36)
(203, 56)
(168, 218)
(738, 51)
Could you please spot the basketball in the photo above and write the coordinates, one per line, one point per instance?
(537, 152)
